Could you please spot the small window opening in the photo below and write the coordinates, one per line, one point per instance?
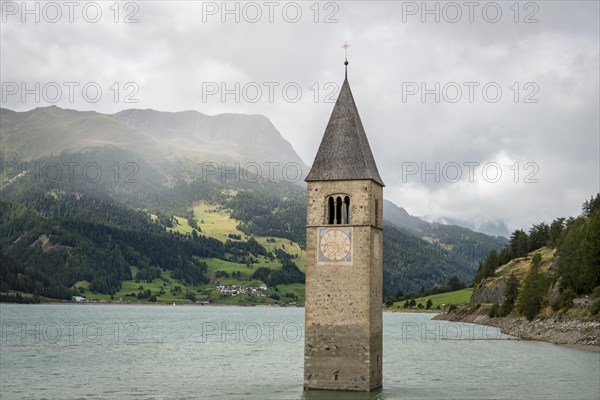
(338, 210)
(346, 210)
(331, 211)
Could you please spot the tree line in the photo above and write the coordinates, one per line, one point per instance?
(289, 273)
(577, 244)
(47, 256)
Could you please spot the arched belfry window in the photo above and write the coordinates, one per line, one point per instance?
(346, 211)
(338, 210)
(331, 211)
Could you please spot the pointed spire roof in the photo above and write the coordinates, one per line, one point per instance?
(344, 153)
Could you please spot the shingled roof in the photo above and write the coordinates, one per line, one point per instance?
(344, 153)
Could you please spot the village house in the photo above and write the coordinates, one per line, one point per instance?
(234, 290)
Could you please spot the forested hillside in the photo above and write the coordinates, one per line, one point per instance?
(548, 266)
(47, 256)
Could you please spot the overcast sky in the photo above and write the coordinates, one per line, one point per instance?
(517, 86)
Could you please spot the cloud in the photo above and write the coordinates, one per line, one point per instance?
(175, 48)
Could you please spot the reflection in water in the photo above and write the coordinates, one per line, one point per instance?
(332, 395)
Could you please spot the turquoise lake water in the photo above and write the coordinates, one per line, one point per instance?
(187, 352)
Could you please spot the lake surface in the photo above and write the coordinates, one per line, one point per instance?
(187, 352)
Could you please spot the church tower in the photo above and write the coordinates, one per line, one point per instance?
(344, 237)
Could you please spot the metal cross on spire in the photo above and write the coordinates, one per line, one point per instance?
(345, 47)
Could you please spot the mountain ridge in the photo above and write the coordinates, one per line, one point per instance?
(229, 141)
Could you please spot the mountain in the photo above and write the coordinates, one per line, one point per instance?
(48, 131)
(490, 226)
(180, 145)
(463, 242)
(224, 137)
(87, 178)
(400, 217)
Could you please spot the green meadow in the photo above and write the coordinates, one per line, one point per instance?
(462, 296)
(213, 221)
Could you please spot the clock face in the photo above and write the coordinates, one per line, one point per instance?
(335, 245)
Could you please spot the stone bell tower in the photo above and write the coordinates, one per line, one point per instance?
(344, 237)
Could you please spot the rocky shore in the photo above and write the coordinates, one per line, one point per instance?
(569, 332)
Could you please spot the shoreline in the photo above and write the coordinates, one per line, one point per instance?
(571, 333)
(411, 311)
(583, 347)
(158, 304)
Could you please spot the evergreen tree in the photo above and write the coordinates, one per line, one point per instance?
(538, 236)
(510, 294)
(428, 304)
(479, 275)
(491, 263)
(534, 286)
(579, 250)
(488, 267)
(590, 254)
(555, 230)
(591, 206)
(570, 262)
(519, 244)
(455, 284)
(504, 256)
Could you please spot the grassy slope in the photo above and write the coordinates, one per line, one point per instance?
(520, 266)
(216, 223)
(456, 297)
(441, 299)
